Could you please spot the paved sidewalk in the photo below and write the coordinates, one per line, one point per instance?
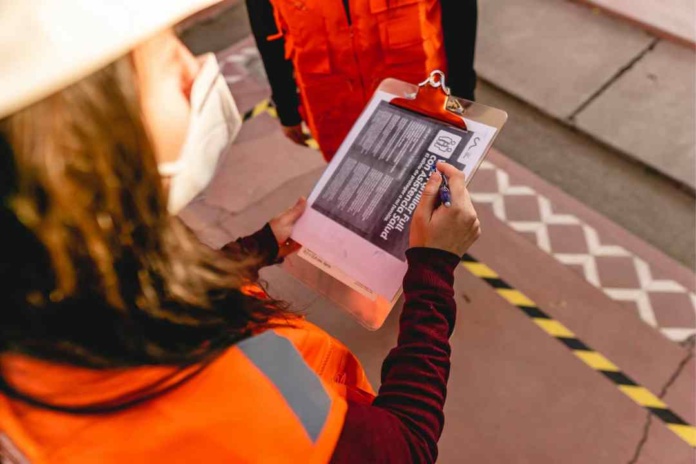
(609, 78)
(670, 19)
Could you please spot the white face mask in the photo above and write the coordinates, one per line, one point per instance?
(214, 124)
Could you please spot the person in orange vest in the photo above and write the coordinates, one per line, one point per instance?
(336, 52)
(125, 339)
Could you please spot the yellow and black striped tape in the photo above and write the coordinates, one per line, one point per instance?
(267, 106)
(264, 106)
(595, 360)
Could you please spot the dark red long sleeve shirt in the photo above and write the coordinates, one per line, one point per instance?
(405, 421)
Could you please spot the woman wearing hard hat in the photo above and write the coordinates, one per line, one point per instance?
(126, 340)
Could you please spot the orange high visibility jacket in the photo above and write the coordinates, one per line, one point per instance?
(339, 64)
(274, 398)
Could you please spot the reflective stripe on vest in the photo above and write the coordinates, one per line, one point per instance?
(300, 387)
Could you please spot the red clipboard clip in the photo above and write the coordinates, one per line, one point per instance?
(433, 99)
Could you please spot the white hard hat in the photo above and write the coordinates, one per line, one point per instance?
(46, 45)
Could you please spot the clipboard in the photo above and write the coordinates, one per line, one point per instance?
(348, 265)
(434, 100)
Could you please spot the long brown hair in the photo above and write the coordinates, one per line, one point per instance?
(98, 273)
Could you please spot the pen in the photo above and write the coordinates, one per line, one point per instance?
(445, 197)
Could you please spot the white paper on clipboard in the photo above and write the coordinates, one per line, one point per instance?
(356, 223)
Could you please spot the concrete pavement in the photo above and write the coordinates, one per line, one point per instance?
(619, 84)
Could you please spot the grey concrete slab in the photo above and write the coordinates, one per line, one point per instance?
(284, 196)
(209, 14)
(242, 67)
(673, 20)
(216, 226)
(650, 112)
(197, 215)
(216, 29)
(270, 154)
(261, 161)
(552, 54)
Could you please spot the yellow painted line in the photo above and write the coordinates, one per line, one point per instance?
(259, 108)
(686, 432)
(596, 360)
(642, 396)
(515, 297)
(266, 107)
(554, 328)
(481, 270)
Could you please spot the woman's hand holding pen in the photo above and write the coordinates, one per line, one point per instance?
(434, 225)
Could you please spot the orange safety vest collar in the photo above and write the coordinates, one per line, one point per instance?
(274, 398)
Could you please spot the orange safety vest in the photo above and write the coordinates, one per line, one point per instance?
(277, 397)
(338, 65)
